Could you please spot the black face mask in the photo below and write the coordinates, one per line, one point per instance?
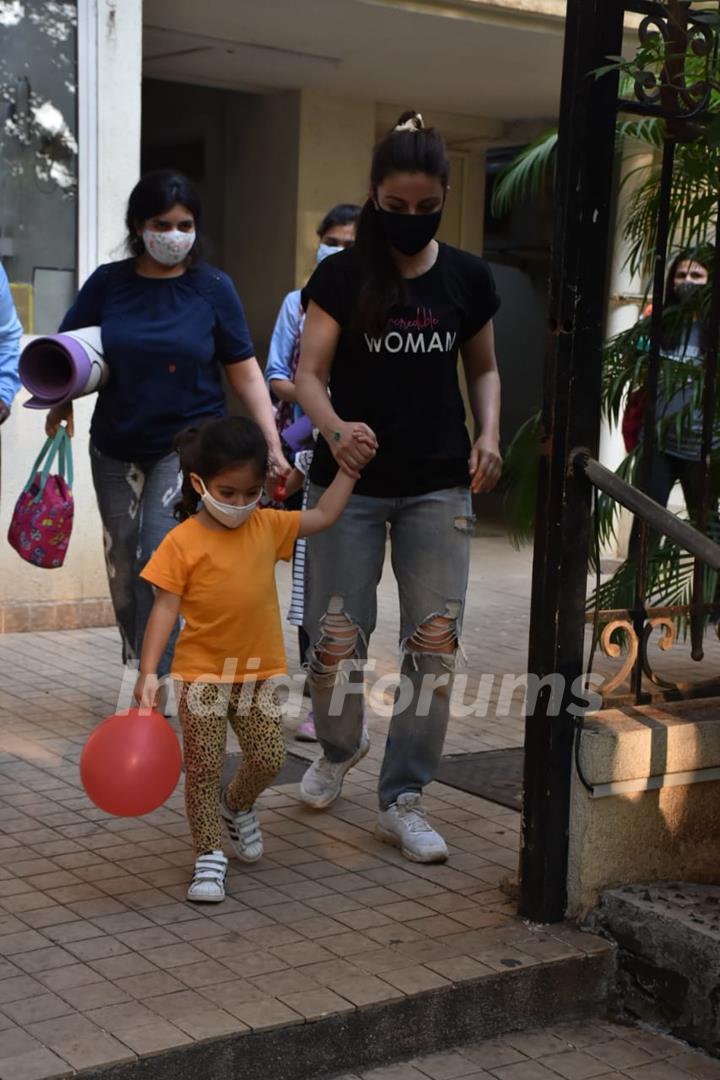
(687, 290)
(409, 233)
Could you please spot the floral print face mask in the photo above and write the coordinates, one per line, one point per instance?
(168, 248)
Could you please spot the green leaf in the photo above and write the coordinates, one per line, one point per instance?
(520, 478)
(527, 175)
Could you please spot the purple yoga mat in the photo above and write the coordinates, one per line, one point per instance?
(298, 435)
(60, 367)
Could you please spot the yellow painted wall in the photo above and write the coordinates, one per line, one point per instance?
(336, 141)
(261, 203)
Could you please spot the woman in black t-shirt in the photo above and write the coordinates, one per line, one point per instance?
(384, 326)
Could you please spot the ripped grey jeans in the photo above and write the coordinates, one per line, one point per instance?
(430, 543)
(136, 500)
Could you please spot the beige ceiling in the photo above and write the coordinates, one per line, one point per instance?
(463, 56)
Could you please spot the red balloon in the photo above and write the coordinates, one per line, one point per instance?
(131, 763)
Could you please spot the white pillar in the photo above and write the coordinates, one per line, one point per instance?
(624, 309)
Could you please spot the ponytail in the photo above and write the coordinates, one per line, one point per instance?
(382, 284)
(408, 147)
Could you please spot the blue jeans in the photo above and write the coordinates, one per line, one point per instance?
(430, 543)
(136, 502)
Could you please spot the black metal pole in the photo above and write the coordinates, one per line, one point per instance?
(571, 417)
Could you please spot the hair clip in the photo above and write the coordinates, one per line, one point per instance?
(415, 123)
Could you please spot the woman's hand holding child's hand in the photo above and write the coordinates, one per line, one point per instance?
(146, 691)
(353, 446)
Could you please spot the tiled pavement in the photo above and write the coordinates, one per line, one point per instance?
(588, 1051)
(101, 957)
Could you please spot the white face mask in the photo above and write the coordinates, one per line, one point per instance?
(168, 248)
(324, 250)
(228, 515)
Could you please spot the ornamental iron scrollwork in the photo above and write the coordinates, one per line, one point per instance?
(667, 92)
(616, 688)
(666, 642)
(613, 649)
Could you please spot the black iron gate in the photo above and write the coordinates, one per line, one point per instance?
(673, 81)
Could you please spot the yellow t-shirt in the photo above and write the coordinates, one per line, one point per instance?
(229, 598)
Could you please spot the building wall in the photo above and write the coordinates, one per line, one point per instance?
(336, 140)
(261, 198)
(184, 128)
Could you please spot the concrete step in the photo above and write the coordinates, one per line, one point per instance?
(668, 938)
(573, 983)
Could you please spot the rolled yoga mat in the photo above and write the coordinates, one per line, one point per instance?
(59, 367)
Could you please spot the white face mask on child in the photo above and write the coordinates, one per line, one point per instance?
(228, 515)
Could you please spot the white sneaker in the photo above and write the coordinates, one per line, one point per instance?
(208, 883)
(323, 781)
(243, 829)
(404, 825)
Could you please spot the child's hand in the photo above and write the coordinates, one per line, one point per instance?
(146, 691)
(289, 485)
(362, 435)
(362, 439)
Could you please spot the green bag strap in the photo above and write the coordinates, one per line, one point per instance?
(65, 459)
(49, 452)
(33, 472)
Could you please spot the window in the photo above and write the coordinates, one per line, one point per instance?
(39, 157)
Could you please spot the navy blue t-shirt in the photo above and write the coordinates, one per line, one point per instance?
(164, 340)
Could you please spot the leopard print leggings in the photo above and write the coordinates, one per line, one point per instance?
(254, 714)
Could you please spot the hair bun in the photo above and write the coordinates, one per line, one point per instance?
(410, 121)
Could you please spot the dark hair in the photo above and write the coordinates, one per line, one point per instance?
(342, 214)
(415, 149)
(212, 447)
(155, 193)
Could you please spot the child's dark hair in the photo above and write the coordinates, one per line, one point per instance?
(155, 193)
(408, 147)
(342, 214)
(212, 447)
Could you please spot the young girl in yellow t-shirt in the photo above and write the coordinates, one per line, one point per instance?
(217, 570)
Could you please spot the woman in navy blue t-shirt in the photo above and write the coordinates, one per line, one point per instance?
(170, 324)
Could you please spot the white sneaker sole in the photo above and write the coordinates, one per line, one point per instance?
(388, 837)
(204, 899)
(321, 802)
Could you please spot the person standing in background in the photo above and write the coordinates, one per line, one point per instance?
(336, 232)
(10, 332)
(677, 452)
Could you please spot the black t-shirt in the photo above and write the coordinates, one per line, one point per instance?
(403, 382)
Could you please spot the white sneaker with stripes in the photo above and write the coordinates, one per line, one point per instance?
(243, 830)
(208, 883)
